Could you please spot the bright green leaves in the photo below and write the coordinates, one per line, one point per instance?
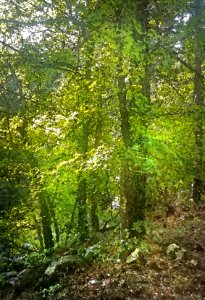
(131, 49)
(106, 88)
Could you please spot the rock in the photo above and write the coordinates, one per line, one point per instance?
(171, 250)
(55, 270)
(175, 252)
(133, 256)
(11, 274)
(28, 278)
(64, 263)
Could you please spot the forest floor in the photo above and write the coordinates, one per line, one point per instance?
(173, 267)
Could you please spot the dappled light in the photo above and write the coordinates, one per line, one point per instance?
(102, 156)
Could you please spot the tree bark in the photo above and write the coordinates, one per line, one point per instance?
(94, 193)
(39, 233)
(82, 209)
(134, 179)
(82, 187)
(53, 216)
(198, 183)
(46, 221)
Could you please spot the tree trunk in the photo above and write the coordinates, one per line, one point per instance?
(39, 233)
(199, 101)
(82, 187)
(94, 189)
(46, 221)
(94, 216)
(53, 216)
(82, 209)
(134, 179)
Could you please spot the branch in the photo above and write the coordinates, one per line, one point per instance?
(184, 63)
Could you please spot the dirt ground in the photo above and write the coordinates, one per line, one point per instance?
(172, 268)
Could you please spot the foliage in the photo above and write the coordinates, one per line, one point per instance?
(48, 293)
(101, 122)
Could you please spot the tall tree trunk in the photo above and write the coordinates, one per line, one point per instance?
(134, 180)
(46, 221)
(53, 216)
(94, 190)
(82, 186)
(39, 233)
(82, 209)
(199, 101)
(94, 216)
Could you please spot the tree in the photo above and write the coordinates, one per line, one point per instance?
(198, 185)
(100, 94)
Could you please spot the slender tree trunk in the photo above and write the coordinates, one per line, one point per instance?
(82, 209)
(46, 221)
(39, 233)
(70, 225)
(82, 187)
(94, 216)
(53, 216)
(93, 191)
(199, 101)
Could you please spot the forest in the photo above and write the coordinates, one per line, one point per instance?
(102, 149)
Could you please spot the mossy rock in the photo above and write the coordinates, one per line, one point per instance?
(64, 263)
